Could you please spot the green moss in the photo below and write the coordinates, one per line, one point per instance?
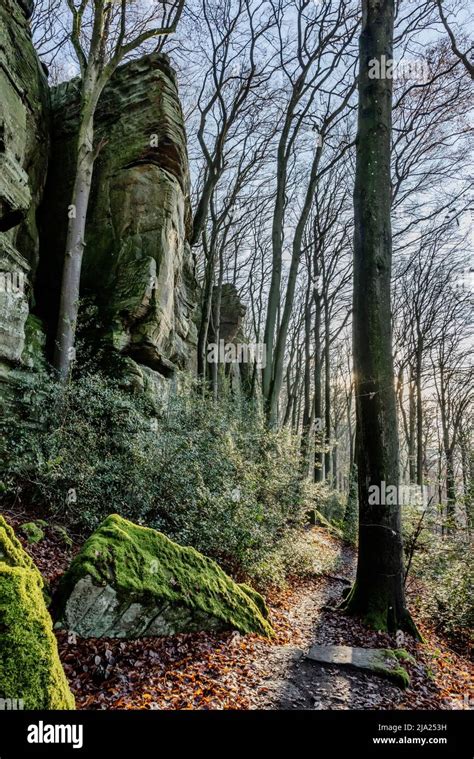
(33, 355)
(392, 668)
(401, 654)
(62, 534)
(30, 668)
(32, 531)
(400, 676)
(258, 600)
(144, 565)
(12, 552)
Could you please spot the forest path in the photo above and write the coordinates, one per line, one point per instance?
(228, 670)
(289, 680)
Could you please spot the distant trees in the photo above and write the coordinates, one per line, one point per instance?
(316, 66)
(271, 212)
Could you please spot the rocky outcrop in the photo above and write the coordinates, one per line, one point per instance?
(30, 669)
(138, 286)
(130, 581)
(24, 137)
(137, 267)
(240, 372)
(232, 312)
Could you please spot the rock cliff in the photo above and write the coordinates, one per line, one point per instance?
(138, 286)
(137, 268)
(24, 138)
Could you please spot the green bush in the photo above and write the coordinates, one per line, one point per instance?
(207, 474)
(441, 570)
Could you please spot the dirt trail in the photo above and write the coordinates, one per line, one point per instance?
(289, 680)
(232, 671)
(293, 682)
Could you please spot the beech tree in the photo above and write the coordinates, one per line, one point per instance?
(378, 593)
(103, 33)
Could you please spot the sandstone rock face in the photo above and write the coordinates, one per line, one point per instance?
(30, 669)
(24, 109)
(137, 264)
(232, 313)
(130, 581)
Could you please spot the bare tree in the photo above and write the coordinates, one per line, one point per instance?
(378, 593)
(463, 56)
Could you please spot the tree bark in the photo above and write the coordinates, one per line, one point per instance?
(64, 353)
(450, 488)
(318, 405)
(412, 415)
(327, 397)
(307, 409)
(378, 593)
(206, 311)
(419, 415)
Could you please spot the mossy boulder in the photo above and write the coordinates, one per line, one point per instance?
(30, 668)
(130, 581)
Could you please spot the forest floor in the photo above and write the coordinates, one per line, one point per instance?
(233, 671)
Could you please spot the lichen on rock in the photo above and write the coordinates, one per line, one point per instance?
(130, 581)
(30, 668)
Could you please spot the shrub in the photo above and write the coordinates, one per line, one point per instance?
(207, 474)
(443, 576)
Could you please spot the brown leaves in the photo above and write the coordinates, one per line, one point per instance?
(234, 671)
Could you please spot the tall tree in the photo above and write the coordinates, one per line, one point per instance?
(378, 594)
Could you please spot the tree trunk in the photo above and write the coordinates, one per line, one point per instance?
(318, 405)
(217, 326)
(205, 313)
(307, 409)
(64, 353)
(327, 398)
(378, 593)
(450, 487)
(419, 416)
(412, 414)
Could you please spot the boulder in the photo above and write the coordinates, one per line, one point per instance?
(30, 669)
(130, 581)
